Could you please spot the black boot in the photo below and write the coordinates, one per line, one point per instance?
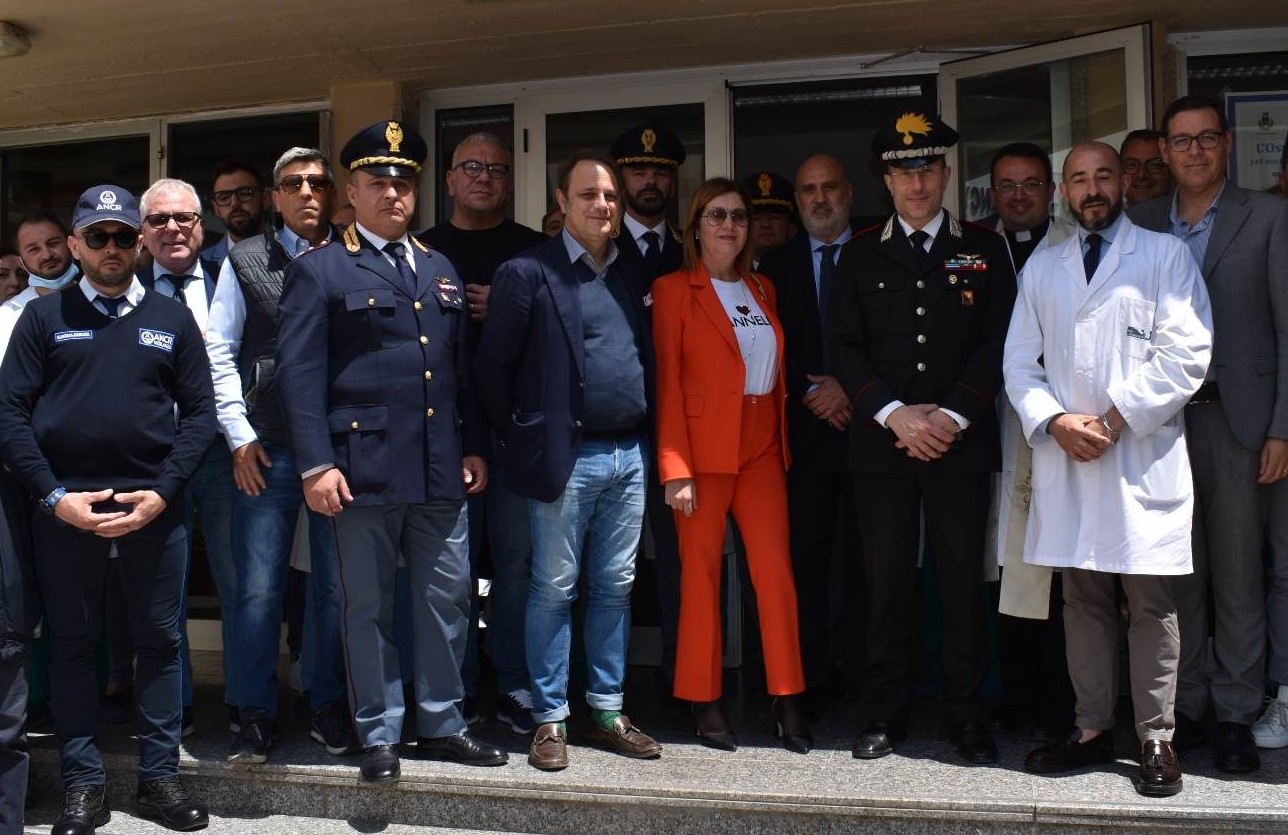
(793, 730)
(84, 810)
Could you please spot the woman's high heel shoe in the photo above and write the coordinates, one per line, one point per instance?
(793, 731)
(712, 729)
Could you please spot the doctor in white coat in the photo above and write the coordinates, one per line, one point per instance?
(1110, 337)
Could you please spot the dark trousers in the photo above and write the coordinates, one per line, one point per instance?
(889, 512)
(72, 570)
(666, 565)
(1034, 668)
(817, 498)
(19, 613)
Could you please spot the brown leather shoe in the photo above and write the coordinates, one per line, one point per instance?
(1160, 773)
(625, 739)
(549, 751)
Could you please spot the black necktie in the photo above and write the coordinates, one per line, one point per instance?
(113, 305)
(178, 282)
(918, 240)
(399, 254)
(826, 278)
(652, 253)
(1092, 259)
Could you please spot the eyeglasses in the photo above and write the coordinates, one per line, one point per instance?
(1154, 165)
(473, 168)
(716, 216)
(907, 175)
(97, 238)
(245, 194)
(1030, 186)
(182, 219)
(295, 182)
(1207, 140)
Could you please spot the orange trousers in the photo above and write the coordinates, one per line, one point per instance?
(757, 497)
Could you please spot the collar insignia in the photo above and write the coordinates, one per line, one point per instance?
(351, 242)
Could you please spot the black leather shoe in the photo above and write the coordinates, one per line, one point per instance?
(1160, 773)
(974, 743)
(461, 748)
(1190, 734)
(793, 732)
(1069, 753)
(380, 764)
(84, 809)
(253, 741)
(1234, 749)
(710, 726)
(165, 802)
(878, 739)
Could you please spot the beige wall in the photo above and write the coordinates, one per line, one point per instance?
(354, 106)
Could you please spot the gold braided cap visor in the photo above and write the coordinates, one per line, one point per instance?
(362, 162)
(647, 161)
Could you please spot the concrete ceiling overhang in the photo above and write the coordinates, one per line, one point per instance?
(92, 60)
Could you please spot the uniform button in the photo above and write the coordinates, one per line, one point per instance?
(921, 311)
(353, 425)
(429, 375)
(429, 413)
(921, 337)
(371, 302)
(424, 340)
(921, 285)
(881, 285)
(921, 366)
(577, 423)
(418, 305)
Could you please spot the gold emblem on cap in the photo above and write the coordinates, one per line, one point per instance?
(648, 139)
(910, 123)
(765, 183)
(394, 136)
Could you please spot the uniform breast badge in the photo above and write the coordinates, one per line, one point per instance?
(449, 295)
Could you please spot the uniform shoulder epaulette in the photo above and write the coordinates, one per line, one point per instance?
(675, 233)
(419, 244)
(351, 242)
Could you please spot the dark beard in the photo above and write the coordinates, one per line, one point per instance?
(647, 207)
(1115, 209)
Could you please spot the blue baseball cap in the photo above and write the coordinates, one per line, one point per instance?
(106, 202)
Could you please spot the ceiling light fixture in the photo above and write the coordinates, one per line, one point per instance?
(13, 41)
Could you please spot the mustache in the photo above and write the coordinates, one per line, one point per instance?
(1093, 201)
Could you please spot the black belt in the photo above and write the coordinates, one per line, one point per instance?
(1207, 393)
(613, 434)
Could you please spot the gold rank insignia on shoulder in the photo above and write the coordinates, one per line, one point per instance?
(351, 242)
(417, 243)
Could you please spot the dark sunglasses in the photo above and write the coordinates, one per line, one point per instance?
(97, 238)
(183, 219)
(293, 183)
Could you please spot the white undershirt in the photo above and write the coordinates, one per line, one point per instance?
(756, 340)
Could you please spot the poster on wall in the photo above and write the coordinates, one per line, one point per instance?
(1259, 122)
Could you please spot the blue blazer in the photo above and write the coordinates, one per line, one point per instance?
(530, 368)
(372, 377)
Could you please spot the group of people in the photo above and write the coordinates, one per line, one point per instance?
(1094, 404)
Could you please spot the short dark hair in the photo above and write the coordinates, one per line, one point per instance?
(1140, 135)
(7, 251)
(234, 165)
(1187, 103)
(598, 157)
(1027, 150)
(42, 217)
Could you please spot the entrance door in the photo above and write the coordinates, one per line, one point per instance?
(1054, 95)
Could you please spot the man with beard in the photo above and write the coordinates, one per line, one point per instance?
(916, 324)
(1143, 162)
(242, 341)
(42, 245)
(1110, 337)
(772, 204)
(818, 412)
(240, 202)
(478, 238)
(105, 410)
(1237, 429)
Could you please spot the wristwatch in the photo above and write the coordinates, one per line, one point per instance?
(48, 503)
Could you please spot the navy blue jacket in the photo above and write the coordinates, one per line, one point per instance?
(530, 368)
(373, 379)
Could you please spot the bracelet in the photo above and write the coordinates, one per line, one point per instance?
(1114, 434)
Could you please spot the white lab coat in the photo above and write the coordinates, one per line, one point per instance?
(1138, 337)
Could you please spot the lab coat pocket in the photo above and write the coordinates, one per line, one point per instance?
(1157, 469)
(1136, 323)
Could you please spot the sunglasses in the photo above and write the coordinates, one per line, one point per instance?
(245, 194)
(295, 182)
(182, 219)
(97, 238)
(718, 215)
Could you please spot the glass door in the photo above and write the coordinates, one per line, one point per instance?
(1054, 95)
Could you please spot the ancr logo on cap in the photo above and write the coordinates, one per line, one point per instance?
(107, 201)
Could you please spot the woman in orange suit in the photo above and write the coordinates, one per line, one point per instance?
(722, 447)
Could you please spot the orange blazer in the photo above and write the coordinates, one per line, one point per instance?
(701, 376)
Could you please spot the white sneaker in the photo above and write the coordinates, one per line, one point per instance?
(1271, 730)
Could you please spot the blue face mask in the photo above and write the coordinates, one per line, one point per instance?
(59, 283)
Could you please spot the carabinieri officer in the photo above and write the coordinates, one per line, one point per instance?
(371, 369)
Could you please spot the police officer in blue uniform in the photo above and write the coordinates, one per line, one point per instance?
(371, 369)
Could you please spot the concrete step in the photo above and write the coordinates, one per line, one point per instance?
(122, 823)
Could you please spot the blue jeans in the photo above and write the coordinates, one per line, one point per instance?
(591, 532)
(509, 532)
(263, 529)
